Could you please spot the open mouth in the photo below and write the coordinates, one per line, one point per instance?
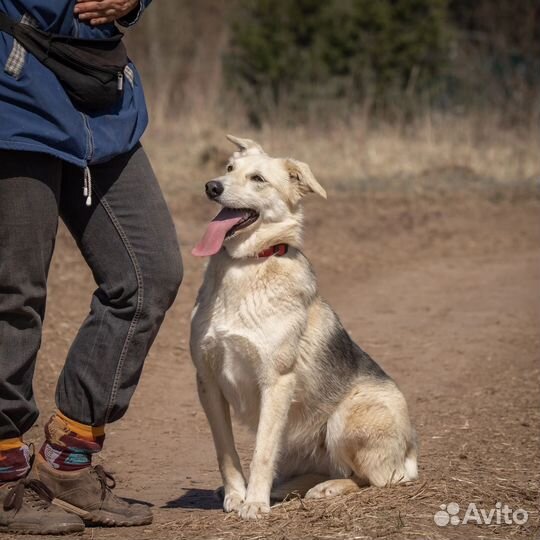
(248, 217)
(225, 225)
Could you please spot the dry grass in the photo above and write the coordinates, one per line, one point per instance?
(403, 512)
(194, 149)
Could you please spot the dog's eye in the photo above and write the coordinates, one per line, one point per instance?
(229, 167)
(258, 178)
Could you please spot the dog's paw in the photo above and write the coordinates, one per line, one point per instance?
(233, 501)
(253, 510)
(332, 488)
(321, 492)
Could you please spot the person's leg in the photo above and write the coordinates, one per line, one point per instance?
(29, 194)
(129, 241)
(29, 198)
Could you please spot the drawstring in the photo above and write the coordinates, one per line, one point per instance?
(87, 189)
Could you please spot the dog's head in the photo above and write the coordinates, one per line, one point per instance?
(261, 197)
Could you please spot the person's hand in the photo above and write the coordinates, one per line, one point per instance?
(103, 11)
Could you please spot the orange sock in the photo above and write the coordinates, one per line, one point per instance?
(69, 445)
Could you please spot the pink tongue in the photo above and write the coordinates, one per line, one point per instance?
(215, 232)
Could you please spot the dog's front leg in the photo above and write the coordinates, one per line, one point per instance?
(218, 413)
(275, 402)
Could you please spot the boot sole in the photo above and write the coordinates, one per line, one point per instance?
(101, 517)
(68, 528)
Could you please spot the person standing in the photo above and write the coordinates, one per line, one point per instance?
(89, 168)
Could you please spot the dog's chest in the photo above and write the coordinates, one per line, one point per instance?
(244, 312)
(239, 340)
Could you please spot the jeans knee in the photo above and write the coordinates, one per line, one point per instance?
(172, 279)
(161, 286)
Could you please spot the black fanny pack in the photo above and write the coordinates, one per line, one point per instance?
(90, 71)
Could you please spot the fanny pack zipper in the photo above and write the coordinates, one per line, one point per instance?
(95, 71)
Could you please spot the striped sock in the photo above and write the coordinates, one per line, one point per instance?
(14, 460)
(69, 445)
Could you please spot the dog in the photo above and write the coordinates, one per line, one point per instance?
(328, 419)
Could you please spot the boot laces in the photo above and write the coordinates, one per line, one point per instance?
(29, 491)
(106, 479)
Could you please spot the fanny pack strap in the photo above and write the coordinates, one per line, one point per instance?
(17, 57)
(6, 24)
(23, 33)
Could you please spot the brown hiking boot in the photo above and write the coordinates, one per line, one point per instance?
(88, 494)
(25, 507)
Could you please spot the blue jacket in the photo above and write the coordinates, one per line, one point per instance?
(37, 115)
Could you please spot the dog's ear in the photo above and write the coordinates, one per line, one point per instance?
(301, 175)
(246, 146)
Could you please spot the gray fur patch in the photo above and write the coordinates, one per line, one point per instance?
(342, 361)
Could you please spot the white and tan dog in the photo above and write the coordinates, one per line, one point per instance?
(328, 419)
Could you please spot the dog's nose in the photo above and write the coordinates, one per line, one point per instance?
(214, 189)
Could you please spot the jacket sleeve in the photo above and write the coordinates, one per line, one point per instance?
(135, 14)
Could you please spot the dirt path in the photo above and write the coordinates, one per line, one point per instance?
(444, 295)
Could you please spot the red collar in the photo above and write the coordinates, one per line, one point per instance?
(279, 250)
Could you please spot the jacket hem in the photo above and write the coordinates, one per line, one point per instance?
(43, 149)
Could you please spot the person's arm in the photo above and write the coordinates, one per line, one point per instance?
(124, 12)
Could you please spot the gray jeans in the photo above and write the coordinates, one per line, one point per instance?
(127, 238)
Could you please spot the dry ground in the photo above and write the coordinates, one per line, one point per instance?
(439, 283)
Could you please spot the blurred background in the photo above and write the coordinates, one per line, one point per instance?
(392, 88)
